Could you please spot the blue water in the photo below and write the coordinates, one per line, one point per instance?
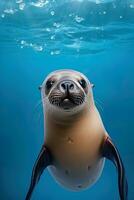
(37, 37)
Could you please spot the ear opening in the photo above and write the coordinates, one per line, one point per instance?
(92, 85)
(40, 87)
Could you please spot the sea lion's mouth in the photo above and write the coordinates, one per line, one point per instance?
(67, 101)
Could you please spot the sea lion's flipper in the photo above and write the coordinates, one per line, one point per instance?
(111, 153)
(44, 159)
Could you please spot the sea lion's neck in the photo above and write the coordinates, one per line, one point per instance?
(65, 122)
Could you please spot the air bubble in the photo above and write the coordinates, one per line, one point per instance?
(52, 13)
(19, 1)
(22, 6)
(2, 15)
(39, 3)
(131, 6)
(57, 52)
(79, 19)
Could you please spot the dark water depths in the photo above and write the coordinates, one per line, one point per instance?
(37, 37)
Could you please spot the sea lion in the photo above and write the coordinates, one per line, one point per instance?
(76, 141)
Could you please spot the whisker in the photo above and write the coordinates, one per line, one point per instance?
(38, 109)
(98, 102)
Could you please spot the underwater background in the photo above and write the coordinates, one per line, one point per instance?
(37, 37)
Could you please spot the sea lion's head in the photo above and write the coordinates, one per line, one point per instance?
(66, 91)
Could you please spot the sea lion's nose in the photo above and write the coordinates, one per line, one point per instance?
(67, 85)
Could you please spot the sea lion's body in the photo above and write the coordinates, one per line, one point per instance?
(76, 148)
(76, 142)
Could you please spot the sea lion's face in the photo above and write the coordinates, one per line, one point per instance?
(65, 91)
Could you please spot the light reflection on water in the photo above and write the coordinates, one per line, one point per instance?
(67, 27)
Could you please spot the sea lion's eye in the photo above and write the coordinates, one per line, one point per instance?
(83, 83)
(49, 84)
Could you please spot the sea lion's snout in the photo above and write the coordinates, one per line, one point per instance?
(67, 86)
(66, 95)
